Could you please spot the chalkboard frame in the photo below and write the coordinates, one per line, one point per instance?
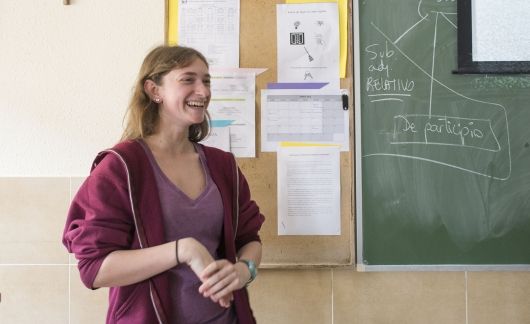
(466, 64)
(360, 264)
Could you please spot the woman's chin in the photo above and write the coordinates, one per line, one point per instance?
(198, 119)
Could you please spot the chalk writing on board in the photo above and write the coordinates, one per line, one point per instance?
(384, 87)
(433, 126)
(445, 130)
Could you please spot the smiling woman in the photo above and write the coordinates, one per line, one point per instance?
(166, 222)
(143, 110)
(182, 95)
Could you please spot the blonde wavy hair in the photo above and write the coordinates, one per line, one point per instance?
(142, 114)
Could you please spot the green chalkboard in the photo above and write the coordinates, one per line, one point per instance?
(442, 159)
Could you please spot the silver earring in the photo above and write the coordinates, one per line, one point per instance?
(157, 100)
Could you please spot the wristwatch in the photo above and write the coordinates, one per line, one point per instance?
(251, 268)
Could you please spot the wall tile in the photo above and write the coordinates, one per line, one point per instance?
(292, 296)
(398, 297)
(32, 215)
(499, 297)
(86, 305)
(75, 184)
(33, 294)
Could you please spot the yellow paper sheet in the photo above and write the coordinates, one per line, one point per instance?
(343, 28)
(172, 22)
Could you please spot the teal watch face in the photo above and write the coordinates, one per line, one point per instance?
(251, 268)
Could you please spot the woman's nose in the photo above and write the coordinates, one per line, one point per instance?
(203, 89)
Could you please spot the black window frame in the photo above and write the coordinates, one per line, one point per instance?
(466, 65)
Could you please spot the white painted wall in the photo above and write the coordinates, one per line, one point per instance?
(66, 73)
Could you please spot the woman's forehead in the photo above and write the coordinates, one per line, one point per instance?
(197, 67)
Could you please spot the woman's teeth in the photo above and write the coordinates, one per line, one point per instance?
(195, 104)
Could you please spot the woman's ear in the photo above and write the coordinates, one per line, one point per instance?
(151, 88)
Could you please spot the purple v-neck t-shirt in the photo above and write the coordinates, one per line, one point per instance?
(202, 219)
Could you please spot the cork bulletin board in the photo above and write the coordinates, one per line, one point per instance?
(258, 50)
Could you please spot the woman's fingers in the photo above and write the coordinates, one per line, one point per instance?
(214, 273)
(209, 270)
(219, 280)
(220, 285)
(226, 301)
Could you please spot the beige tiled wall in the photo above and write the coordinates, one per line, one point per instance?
(39, 283)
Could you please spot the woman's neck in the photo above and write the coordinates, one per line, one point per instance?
(170, 143)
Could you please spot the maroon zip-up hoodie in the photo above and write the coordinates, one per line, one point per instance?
(118, 208)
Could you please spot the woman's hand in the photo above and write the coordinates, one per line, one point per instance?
(195, 255)
(221, 278)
